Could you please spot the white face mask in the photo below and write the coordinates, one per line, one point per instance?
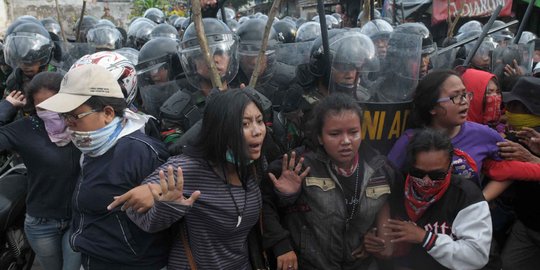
(56, 127)
(98, 142)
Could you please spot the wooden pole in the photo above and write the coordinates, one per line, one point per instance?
(524, 21)
(59, 18)
(267, 29)
(80, 21)
(199, 27)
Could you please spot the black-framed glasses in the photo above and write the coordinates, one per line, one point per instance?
(75, 117)
(436, 175)
(457, 99)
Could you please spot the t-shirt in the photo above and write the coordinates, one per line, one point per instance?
(350, 185)
(478, 141)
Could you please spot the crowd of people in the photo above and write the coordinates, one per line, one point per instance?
(136, 160)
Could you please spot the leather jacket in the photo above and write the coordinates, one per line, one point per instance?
(316, 217)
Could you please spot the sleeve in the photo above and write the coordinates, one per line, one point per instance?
(10, 135)
(398, 152)
(493, 137)
(275, 236)
(505, 170)
(160, 217)
(469, 245)
(7, 112)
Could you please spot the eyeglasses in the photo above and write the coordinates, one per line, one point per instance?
(73, 118)
(457, 99)
(433, 175)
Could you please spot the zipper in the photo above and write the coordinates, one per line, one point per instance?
(79, 230)
(124, 234)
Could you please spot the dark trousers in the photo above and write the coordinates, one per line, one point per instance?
(522, 250)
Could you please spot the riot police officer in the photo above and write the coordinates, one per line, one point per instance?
(28, 51)
(157, 71)
(274, 77)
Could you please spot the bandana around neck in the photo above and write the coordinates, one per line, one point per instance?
(347, 171)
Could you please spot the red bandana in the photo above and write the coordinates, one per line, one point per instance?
(420, 194)
(492, 111)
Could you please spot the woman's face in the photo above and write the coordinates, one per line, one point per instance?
(41, 95)
(340, 136)
(449, 113)
(254, 130)
(83, 118)
(492, 89)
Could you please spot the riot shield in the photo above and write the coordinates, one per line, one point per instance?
(522, 53)
(294, 54)
(248, 53)
(386, 113)
(155, 86)
(444, 60)
(399, 72)
(71, 52)
(130, 53)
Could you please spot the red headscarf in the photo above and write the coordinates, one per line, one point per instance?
(476, 81)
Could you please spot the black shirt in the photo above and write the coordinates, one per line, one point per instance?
(52, 170)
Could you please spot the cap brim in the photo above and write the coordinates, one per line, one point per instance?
(63, 102)
(509, 96)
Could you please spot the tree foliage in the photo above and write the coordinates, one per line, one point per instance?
(140, 6)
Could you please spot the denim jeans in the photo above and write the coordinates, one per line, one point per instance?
(49, 238)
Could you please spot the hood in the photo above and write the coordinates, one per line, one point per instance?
(476, 81)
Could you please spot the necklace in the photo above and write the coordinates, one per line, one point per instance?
(238, 213)
(355, 200)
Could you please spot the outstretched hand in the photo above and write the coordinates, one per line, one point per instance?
(143, 197)
(291, 177)
(172, 191)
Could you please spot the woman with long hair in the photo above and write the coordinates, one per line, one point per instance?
(220, 174)
(442, 102)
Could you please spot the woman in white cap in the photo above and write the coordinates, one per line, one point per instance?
(116, 156)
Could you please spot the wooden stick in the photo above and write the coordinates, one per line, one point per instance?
(267, 29)
(199, 27)
(59, 18)
(452, 26)
(77, 39)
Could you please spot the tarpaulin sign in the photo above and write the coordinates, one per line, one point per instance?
(469, 8)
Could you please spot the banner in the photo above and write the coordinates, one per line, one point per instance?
(469, 9)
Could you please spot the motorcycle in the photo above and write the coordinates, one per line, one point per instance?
(15, 251)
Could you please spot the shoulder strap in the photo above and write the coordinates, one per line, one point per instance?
(187, 249)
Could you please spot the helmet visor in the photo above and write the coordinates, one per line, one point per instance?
(225, 58)
(27, 48)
